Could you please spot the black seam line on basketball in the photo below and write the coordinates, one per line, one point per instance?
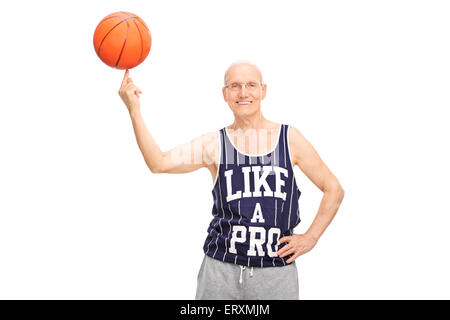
(142, 22)
(140, 36)
(126, 17)
(130, 15)
(107, 18)
(104, 19)
(123, 46)
(99, 47)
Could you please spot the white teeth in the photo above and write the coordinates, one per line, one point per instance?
(244, 102)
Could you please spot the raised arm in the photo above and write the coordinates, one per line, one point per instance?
(184, 158)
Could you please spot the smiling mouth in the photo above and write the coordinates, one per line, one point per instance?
(244, 103)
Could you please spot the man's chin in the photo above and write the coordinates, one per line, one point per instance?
(240, 111)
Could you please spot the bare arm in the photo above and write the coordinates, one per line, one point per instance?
(184, 158)
(306, 157)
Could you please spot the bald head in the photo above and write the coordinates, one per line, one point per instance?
(242, 66)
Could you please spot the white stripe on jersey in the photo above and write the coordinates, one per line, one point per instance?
(239, 211)
(275, 211)
(275, 159)
(211, 235)
(290, 205)
(215, 225)
(223, 215)
(284, 144)
(225, 147)
(226, 247)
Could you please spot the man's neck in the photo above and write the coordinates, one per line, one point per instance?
(247, 123)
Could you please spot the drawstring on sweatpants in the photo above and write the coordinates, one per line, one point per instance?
(240, 277)
(242, 269)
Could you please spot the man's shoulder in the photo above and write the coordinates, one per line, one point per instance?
(209, 142)
(294, 132)
(209, 137)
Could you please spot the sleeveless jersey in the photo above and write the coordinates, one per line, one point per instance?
(255, 204)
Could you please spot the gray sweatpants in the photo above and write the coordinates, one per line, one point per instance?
(219, 280)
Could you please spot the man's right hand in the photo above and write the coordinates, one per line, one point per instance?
(129, 93)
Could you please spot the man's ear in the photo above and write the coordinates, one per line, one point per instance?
(225, 94)
(263, 90)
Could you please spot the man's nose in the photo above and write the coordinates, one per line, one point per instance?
(243, 91)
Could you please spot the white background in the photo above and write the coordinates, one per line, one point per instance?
(366, 82)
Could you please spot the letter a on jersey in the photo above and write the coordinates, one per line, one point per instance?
(257, 214)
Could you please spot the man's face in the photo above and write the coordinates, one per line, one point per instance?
(244, 99)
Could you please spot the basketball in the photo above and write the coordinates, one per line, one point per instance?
(122, 40)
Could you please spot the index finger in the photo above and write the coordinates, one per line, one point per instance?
(125, 77)
(285, 239)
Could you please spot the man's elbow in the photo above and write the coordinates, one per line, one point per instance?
(156, 166)
(152, 170)
(155, 169)
(337, 189)
(340, 192)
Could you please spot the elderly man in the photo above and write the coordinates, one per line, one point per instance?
(250, 248)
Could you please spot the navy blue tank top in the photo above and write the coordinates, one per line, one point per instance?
(255, 204)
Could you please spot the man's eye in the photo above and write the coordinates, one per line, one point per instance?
(235, 85)
(252, 84)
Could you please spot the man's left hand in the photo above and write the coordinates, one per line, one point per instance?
(297, 244)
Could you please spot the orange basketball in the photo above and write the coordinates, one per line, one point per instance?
(122, 40)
